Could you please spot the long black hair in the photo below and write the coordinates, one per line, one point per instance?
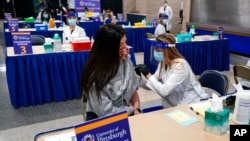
(103, 62)
(49, 15)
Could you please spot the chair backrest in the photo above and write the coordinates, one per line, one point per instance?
(214, 80)
(241, 71)
(37, 40)
(149, 35)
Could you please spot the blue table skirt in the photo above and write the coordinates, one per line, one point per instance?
(44, 78)
(32, 25)
(200, 55)
(49, 34)
(238, 44)
(136, 37)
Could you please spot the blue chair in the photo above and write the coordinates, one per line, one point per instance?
(151, 109)
(37, 39)
(214, 80)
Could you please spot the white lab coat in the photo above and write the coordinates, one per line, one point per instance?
(178, 85)
(169, 12)
(160, 29)
(77, 33)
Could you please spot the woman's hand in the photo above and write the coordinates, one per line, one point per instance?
(137, 111)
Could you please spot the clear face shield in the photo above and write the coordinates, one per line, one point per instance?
(157, 51)
(164, 19)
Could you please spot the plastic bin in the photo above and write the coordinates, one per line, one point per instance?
(80, 46)
(184, 38)
(140, 25)
(29, 20)
(41, 27)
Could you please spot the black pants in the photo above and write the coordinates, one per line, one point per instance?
(181, 15)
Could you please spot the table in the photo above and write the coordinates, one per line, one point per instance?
(239, 37)
(49, 34)
(91, 27)
(135, 36)
(32, 25)
(44, 78)
(143, 128)
(201, 55)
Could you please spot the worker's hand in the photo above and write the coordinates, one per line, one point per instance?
(141, 68)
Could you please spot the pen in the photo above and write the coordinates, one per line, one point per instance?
(202, 99)
(197, 113)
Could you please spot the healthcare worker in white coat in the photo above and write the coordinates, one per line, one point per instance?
(72, 31)
(160, 28)
(174, 79)
(167, 10)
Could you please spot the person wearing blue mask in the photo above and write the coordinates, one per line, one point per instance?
(72, 30)
(160, 28)
(44, 16)
(174, 79)
(167, 10)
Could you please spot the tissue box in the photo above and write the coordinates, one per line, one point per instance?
(216, 123)
(41, 27)
(184, 38)
(80, 45)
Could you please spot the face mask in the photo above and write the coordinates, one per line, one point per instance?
(45, 16)
(158, 56)
(72, 21)
(164, 21)
(123, 52)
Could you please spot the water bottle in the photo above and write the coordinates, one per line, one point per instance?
(129, 24)
(192, 30)
(154, 22)
(57, 42)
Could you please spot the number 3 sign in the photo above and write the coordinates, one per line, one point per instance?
(22, 43)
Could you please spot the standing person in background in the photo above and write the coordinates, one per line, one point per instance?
(160, 28)
(73, 30)
(174, 79)
(108, 81)
(181, 12)
(167, 10)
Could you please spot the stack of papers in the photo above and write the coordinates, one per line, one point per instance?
(182, 117)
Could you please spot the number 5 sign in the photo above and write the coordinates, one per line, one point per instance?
(22, 43)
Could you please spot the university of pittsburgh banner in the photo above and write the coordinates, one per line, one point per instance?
(92, 5)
